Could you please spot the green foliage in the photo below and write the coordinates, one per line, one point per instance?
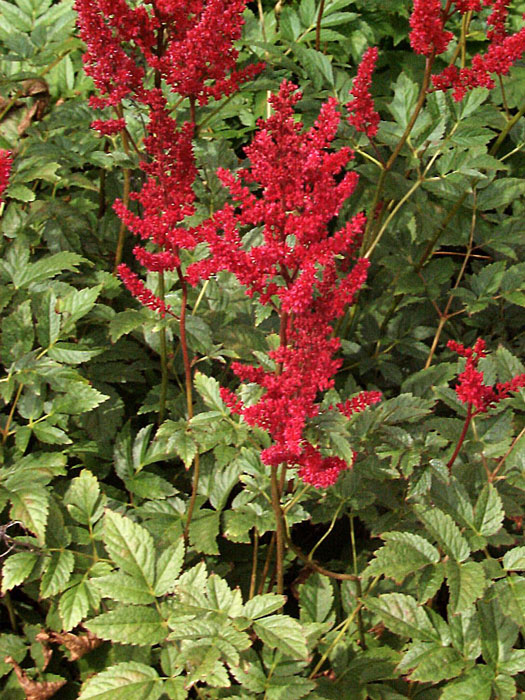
(405, 579)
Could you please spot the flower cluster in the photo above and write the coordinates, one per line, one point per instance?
(139, 290)
(428, 35)
(471, 388)
(292, 189)
(6, 164)
(188, 47)
(363, 115)
(503, 51)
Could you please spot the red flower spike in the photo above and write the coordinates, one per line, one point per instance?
(428, 35)
(292, 190)
(6, 163)
(471, 388)
(364, 117)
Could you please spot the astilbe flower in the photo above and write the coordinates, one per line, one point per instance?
(503, 52)
(363, 114)
(292, 189)
(471, 388)
(6, 163)
(428, 35)
(188, 45)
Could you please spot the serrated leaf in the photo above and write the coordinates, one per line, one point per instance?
(263, 604)
(136, 625)
(514, 559)
(222, 598)
(316, 599)
(208, 388)
(83, 499)
(431, 663)
(403, 616)
(204, 530)
(442, 527)
(123, 681)
(47, 267)
(498, 632)
(57, 573)
(30, 506)
(17, 568)
(403, 554)
(283, 633)
(130, 546)
(466, 584)
(74, 605)
(476, 683)
(80, 398)
(488, 511)
(168, 568)
(125, 322)
(123, 588)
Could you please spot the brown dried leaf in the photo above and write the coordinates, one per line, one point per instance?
(34, 690)
(77, 645)
(47, 652)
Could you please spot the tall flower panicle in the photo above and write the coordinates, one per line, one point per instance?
(428, 35)
(292, 189)
(188, 46)
(503, 51)
(471, 388)
(6, 163)
(363, 115)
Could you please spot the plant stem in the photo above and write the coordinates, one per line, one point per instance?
(255, 553)
(125, 195)
(279, 530)
(390, 162)
(266, 566)
(461, 437)
(357, 584)
(5, 430)
(163, 357)
(318, 26)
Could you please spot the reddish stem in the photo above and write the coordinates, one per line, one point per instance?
(466, 424)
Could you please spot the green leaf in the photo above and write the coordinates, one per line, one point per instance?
(57, 573)
(17, 568)
(208, 388)
(514, 559)
(441, 526)
(316, 65)
(283, 633)
(488, 511)
(73, 354)
(501, 192)
(74, 604)
(405, 98)
(498, 632)
(50, 434)
(123, 588)
(80, 398)
(83, 499)
(476, 683)
(204, 529)
(14, 646)
(316, 599)
(431, 663)
(47, 267)
(78, 303)
(466, 584)
(123, 681)
(30, 506)
(17, 333)
(263, 604)
(403, 554)
(402, 615)
(130, 546)
(125, 322)
(136, 625)
(168, 568)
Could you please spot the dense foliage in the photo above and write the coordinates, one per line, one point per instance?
(291, 462)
